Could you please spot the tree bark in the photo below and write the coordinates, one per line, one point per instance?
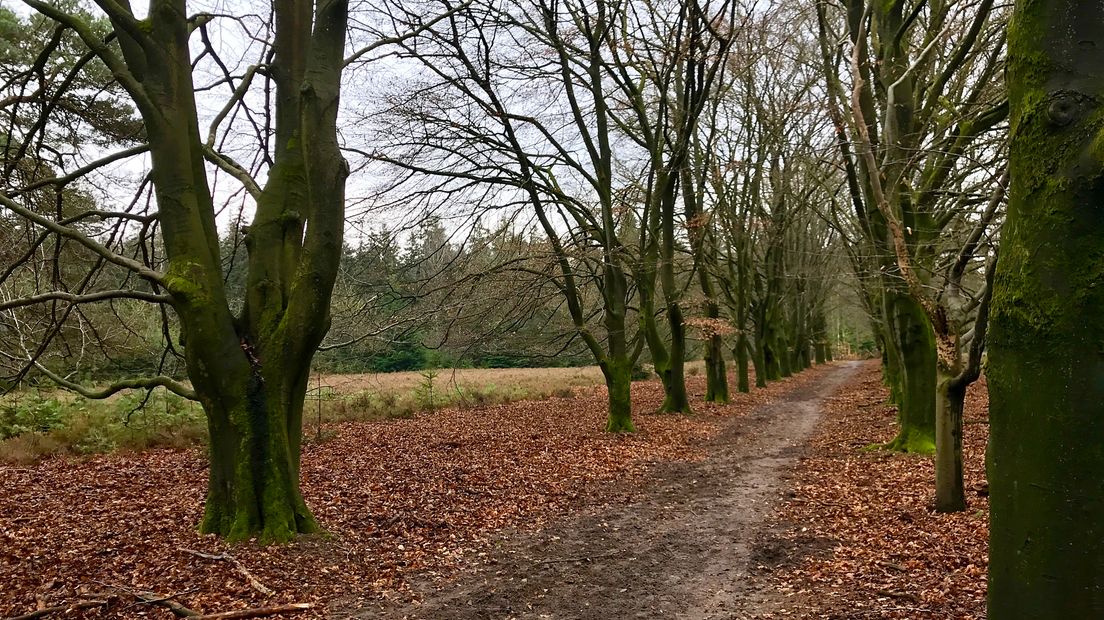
(911, 347)
(950, 494)
(716, 375)
(740, 352)
(676, 399)
(617, 373)
(1046, 360)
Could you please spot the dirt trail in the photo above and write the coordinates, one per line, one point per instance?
(687, 547)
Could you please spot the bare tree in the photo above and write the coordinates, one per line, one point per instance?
(247, 367)
(921, 100)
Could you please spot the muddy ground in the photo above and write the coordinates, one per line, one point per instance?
(692, 544)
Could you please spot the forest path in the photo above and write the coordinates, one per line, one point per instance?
(686, 547)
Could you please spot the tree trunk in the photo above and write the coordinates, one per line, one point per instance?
(618, 375)
(782, 354)
(819, 352)
(676, 399)
(716, 375)
(759, 361)
(1046, 359)
(891, 374)
(770, 364)
(661, 356)
(913, 345)
(740, 352)
(950, 494)
(253, 488)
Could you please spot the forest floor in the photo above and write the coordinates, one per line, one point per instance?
(529, 510)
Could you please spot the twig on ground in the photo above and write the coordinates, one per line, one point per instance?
(226, 557)
(256, 612)
(152, 598)
(39, 613)
(896, 594)
(160, 600)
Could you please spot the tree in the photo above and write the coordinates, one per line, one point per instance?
(1046, 360)
(248, 370)
(763, 185)
(921, 99)
(670, 62)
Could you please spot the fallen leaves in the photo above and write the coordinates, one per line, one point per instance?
(891, 554)
(396, 499)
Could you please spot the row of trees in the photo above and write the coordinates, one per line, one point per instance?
(625, 177)
(636, 140)
(610, 175)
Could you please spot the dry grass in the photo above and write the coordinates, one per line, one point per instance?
(81, 426)
(529, 380)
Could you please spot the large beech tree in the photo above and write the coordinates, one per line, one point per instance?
(1046, 360)
(248, 368)
(925, 91)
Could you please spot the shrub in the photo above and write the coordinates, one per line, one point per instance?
(29, 413)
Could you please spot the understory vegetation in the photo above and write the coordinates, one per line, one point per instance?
(37, 424)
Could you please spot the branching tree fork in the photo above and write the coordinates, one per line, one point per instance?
(248, 367)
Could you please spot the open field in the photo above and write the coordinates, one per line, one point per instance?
(534, 381)
(39, 423)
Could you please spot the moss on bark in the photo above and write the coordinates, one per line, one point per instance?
(618, 375)
(716, 375)
(1046, 360)
(253, 490)
(950, 494)
(676, 399)
(911, 350)
(741, 355)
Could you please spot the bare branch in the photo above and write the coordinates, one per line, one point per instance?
(85, 299)
(144, 383)
(405, 36)
(88, 242)
(234, 169)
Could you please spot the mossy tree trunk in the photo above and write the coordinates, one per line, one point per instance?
(254, 471)
(617, 373)
(911, 351)
(249, 372)
(618, 359)
(759, 362)
(1046, 360)
(716, 373)
(701, 244)
(657, 266)
(770, 361)
(782, 353)
(676, 399)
